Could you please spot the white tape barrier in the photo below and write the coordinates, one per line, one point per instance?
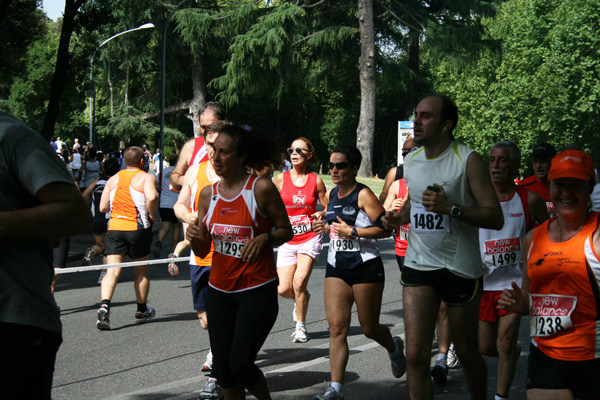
(120, 265)
(70, 270)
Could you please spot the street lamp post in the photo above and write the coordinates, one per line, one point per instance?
(92, 88)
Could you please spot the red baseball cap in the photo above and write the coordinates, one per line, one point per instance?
(572, 164)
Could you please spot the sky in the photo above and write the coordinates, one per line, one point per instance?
(54, 8)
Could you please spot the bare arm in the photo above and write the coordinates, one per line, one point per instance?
(537, 207)
(394, 219)
(87, 193)
(368, 202)
(182, 165)
(182, 207)
(392, 202)
(197, 233)
(105, 199)
(63, 213)
(151, 195)
(389, 179)
(516, 299)
(269, 201)
(322, 191)
(488, 215)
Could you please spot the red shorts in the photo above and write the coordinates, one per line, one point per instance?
(487, 309)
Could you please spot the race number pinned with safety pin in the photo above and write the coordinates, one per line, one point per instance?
(550, 313)
(342, 243)
(231, 239)
(300, 224)
(503, 252)
(423, 221)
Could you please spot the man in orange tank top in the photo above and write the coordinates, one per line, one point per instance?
(132, 199)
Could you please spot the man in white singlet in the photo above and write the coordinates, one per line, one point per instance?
(502, 258)
(450, 197)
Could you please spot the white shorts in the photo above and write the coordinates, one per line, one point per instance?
(287, 255)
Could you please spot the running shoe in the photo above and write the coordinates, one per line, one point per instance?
(103, 322)
(399, 364)
(172, 268)
(141, 317)
(330, 394)
(452, 359)
(101, 276)
(299, 336)
(157, 248)
(88, 256)
(211, 390)
(439, 372)
(207, 366)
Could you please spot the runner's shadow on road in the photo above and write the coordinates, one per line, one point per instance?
(95, 306)
(281, 383)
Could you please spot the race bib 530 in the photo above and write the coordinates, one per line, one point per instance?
(300, 224)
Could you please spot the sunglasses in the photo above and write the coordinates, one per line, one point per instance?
(298, 150)
(338, 165)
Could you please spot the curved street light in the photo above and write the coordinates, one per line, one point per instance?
(92, 89)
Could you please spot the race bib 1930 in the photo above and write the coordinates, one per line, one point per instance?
(423, 221)
(231, 239)
(550, 313)
(503, 252)
(342, 243)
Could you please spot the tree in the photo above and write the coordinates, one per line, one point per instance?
(366, 124)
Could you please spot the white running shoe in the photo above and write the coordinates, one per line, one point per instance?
(172, 268)
(299, 336)
(103, 322)
(451, 358)
(399, 364)
(141, 317)
(102, 274)
(211, 391)
(330, 394)
(207, 366)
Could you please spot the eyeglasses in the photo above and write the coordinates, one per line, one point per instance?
(298, 150)
(338, 165)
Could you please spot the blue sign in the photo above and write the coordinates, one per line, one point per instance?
(407, 124)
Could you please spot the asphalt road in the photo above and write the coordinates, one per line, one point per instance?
(162, 359)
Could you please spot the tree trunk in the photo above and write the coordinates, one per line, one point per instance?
(199, 88)
(111, 91)
(366, 123)
(413, 65)
(126, 101)
(62, 67)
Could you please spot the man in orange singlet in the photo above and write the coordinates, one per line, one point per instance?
(132, 199)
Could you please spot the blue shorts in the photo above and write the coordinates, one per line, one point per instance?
(199, 277)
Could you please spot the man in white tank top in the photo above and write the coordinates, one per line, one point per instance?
(502, 258)
(450, 196)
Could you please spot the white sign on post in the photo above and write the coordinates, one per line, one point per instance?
(405, 131)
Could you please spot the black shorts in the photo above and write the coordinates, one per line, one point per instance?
(100, 226)
(135, 244)
(370, 271)
(168, 215)
(453, 289)
(580, 377)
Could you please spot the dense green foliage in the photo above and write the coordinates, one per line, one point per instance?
(544, 84)
(523, 70)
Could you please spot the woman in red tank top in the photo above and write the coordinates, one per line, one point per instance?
(238, 214)
(561, 287)
(300, 189)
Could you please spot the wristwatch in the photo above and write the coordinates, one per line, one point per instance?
(455, 211)
(354, 233)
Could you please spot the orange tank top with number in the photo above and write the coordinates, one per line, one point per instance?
(201, 182)
(564, 293)
(232, 223)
